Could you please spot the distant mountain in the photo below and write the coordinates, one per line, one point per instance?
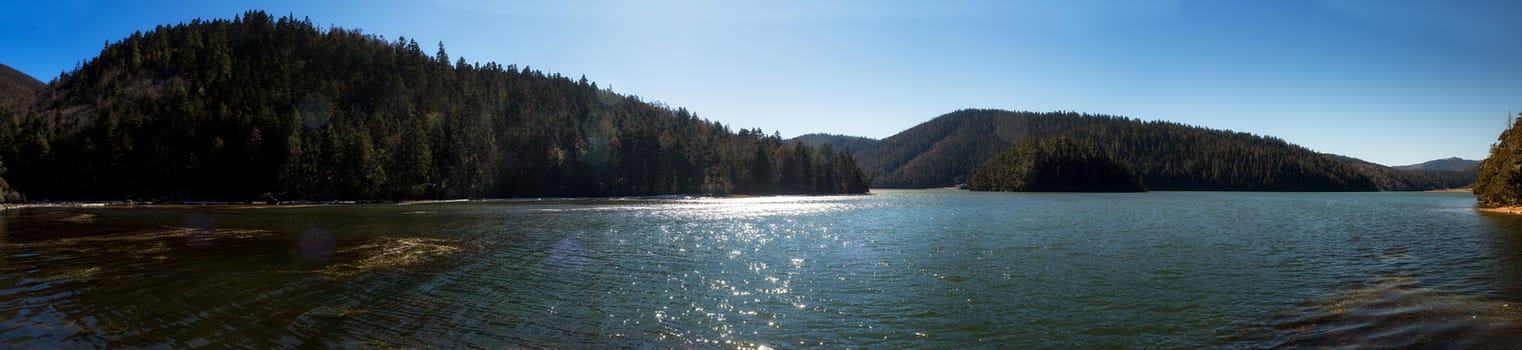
(1398, 179)
(1167, 156)
(1449, 164)
(942, 151)
(838, 142)
(17, 90)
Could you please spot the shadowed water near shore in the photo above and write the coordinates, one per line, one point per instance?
(119, 277)
(1393, 313)
(896, 269)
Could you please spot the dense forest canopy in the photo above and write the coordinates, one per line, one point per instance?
(1500, 182)
(840, 142)
(1448, 164)
(258, 107)
(1412, 178)
(1055, 164)
(18, 92)
(1168, 156)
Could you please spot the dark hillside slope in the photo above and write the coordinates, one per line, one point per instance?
(942, 151)
(839, 142)
(1168, 156)
(1398, 179)
(18, 92)
(1448, 164)
(1055, 164)
(258, 107)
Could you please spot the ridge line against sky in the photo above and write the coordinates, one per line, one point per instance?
(1393, 82)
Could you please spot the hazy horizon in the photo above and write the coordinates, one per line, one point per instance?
(1395, 83)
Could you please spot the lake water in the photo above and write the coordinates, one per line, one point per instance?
(896, 269)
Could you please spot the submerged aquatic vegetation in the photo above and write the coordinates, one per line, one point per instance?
(391, 254)
(81, 274)
(157, 237)
(81, 218)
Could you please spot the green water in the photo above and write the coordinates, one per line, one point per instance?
(896, 269)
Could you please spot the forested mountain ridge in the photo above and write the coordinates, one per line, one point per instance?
(258, 107)
(1398, 179)
(1168, 156)
(942, 151)
(839, 142)
(17, 90)
(1447, 164)
(1055, 164)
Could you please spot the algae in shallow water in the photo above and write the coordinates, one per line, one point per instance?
(80, 274)
(393, 254)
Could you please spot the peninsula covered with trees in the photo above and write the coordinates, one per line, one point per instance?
(263, 108)
(1055, 164)
(1500, 183)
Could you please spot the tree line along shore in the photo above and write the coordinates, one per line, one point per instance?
(264, 109)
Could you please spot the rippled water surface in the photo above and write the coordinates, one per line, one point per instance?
(897, 269)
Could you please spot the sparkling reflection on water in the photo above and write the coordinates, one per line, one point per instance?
(891, 270)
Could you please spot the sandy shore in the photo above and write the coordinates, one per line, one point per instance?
(18, 206)
(217, 205)
(1453, 190)
(1514, 210)
(432, 201)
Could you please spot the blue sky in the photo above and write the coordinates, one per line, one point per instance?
(1394, 82)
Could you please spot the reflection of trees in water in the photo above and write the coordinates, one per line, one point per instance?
(317, 245)
(200, 230)
(1505, 233)
(1399, 312)
(567, 256)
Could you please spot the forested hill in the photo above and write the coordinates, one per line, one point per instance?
(1447, 164)
(258, 107)
(1500, 174)
(839, 142)
(1056, 164)
(1408, 179)
(1167, 156)
(18, 92)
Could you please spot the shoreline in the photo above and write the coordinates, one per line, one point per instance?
(304, 204)
(20, 206)
(1452, 190)
(1511, 210)
(124, 205)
